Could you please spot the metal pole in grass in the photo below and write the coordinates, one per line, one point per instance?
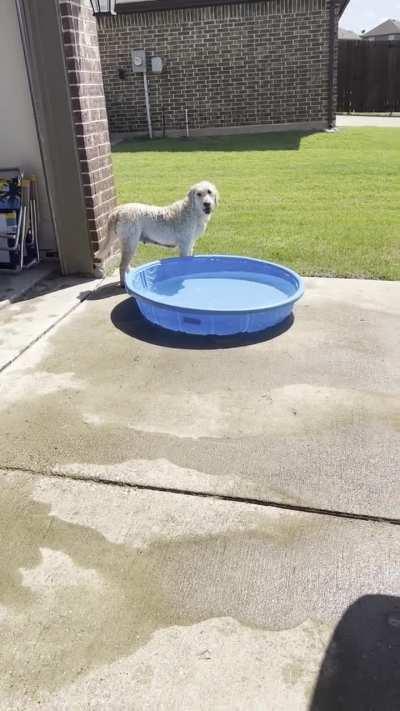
(139, 65)
(163, 122)
(187, 123)
(146, 98)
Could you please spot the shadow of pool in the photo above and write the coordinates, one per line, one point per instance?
(128, 319)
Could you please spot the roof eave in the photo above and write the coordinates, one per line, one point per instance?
(148, 5)
(343, 5)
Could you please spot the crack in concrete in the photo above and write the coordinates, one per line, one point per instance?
(264, 503)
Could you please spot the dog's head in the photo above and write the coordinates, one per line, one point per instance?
(204, 197)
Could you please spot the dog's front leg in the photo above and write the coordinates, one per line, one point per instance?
(186, 250)
(128, 249)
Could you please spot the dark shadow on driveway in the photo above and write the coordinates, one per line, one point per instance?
(105, 291)
(128, 319)
(361, 669)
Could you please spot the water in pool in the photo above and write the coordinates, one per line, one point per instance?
(223, 290)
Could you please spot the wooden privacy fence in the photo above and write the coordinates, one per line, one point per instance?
(368, 76)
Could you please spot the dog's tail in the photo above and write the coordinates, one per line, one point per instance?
(111, 235)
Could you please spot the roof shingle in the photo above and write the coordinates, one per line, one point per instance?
(389, 27)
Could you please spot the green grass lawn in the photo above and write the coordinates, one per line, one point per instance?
(324, 204)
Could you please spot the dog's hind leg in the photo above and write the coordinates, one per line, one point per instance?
(129, 245)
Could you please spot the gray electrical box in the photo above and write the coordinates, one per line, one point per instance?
(138, 60)
(156, 65)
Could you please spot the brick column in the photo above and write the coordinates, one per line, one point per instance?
(85, 80)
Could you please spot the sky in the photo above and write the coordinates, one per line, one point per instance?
(366, 14)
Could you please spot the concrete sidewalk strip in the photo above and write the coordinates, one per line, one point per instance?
(14, 285)
(37, 310)
(310, 418)
(368, 121)
(112, 598)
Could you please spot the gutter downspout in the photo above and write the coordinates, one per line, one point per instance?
(331, 65)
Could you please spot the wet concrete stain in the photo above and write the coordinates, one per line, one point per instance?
(259, 577)
(268, 465)
(340, 435)
(139, 592)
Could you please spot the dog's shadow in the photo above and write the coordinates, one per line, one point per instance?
(127, 318)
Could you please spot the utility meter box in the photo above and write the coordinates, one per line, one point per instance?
(156, 65)
(138, 60)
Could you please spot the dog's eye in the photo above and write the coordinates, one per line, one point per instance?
(209, 192)
(198, 194)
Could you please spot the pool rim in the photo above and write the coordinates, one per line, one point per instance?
(248, 309)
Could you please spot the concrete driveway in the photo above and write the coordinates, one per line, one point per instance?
(371, 121)
(190, 527)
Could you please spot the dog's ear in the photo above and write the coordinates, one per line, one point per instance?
(216, 197)
(192, 194)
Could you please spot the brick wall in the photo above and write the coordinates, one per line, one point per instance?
(79, 29)
(230, 65)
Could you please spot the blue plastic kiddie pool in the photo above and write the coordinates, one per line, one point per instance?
(214, 294)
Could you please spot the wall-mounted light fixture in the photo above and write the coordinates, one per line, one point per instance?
(103, 7)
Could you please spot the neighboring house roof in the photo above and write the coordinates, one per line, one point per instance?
(390, 27)
(347, 34)
(137, 5)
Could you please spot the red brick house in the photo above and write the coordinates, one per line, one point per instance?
(229, 65)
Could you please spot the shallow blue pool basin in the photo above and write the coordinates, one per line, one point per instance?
(214, 294)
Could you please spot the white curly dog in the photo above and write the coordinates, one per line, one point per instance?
(177, 225)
